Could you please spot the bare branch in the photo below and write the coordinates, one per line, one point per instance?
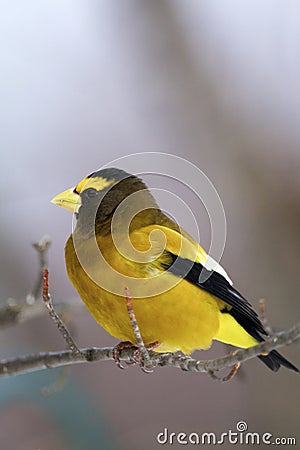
(14, 312)
(31, 363)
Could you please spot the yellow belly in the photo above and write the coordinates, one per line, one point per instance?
(176, 323)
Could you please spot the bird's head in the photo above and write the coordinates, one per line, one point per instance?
(97, 196)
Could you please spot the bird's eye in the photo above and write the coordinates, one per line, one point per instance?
(90, 193)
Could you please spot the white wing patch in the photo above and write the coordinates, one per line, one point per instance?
(211, 264)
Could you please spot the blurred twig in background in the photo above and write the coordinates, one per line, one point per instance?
(15, 311)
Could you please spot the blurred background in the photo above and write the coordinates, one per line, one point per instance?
(85, 82)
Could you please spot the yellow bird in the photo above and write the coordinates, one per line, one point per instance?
(123, 240)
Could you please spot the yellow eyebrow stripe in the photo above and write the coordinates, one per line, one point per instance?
(97, 183)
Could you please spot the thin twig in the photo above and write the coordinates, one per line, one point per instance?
(142, 348)
(228, 377)
(57, 320)
(30, 363)
(42, 247)
(263, 316)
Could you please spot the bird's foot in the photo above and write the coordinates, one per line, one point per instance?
(117, 350)
(137, 357)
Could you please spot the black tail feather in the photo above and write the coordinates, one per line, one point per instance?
(274, 360)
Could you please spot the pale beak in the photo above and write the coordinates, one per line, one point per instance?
(68, 199)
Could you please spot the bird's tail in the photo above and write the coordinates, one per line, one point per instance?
(274, 360)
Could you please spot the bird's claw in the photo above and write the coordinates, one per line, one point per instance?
(137, 357)
(117, 350)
